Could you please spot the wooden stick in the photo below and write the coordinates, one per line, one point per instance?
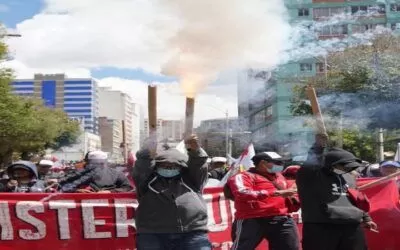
(189, 116)
(312, 96)
(378, 181)
(152, 112)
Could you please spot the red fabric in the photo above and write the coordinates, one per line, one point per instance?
(254, 195)
(384, 198)
(385, 211)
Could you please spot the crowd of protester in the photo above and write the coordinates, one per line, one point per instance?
(334, 212)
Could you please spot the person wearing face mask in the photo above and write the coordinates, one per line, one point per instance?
(23, 178)
(97, 177)
(261, 196)
(172, 213)
(333, 217)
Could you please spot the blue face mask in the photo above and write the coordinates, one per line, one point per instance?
(168, 173)
(275, 169)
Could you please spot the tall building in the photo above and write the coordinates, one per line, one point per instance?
(116, 105)
(264, 97)
(77, 97)
(111, 137)
(171, 130)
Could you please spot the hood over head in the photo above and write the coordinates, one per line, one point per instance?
(172, 156)
(340, 156)
(30, 166)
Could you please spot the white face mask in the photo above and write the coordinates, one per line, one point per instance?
(275, 169)
(339, 171)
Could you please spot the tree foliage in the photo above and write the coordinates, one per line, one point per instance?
(363, 87)
(26, 125)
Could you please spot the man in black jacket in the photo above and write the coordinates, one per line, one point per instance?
(331, 220)
(96, 177)
(172, 213)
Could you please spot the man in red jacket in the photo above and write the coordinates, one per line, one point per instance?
(260, 196)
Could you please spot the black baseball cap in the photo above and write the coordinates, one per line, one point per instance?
(268, 156)
(340, 156)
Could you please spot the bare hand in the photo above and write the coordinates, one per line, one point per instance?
(12, 184)
(104, 192)
(192, 142)
(371, 225)
(51, 181)
(285, 193)
(84, 191)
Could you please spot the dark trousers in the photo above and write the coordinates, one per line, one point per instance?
(173, 241)
(280, 231)
(333, 237)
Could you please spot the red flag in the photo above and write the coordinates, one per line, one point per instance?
(385, 211)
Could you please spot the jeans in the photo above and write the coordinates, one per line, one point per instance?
(173, 241)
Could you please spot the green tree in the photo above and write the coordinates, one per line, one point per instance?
(26, 125)
(365, 79)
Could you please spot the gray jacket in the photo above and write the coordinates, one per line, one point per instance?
(171, 205)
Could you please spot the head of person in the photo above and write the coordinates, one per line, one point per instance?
(44, 166)
(22, 171)
(389, 167)
(340, 161)
(268, 162)
(170, 163)
(96, 159)
(218, 162)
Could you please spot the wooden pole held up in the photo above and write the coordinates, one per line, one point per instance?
(152, 113)
(189, 116)
(312, 96)
(124, 146)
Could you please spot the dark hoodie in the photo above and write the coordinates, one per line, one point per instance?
(34, 186)
(171, 205)
(323, 194)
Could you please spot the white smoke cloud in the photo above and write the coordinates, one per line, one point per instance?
(214, 36)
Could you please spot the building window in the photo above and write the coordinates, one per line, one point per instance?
(356, 28)
(368, 9)
(320, 67)
(334, 30)
(327, 12)
(303, 12)
(395, 7)
(305, 67)
(395, 26)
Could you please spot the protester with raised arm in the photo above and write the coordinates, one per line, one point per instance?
(172, 213)
(334, 213)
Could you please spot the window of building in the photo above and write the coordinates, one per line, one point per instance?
(320, 67)
(395, 26)
(395, 7)
(357, 28)
(327, 12)
(305, 67)
(303, 12)
(334, 30)
(368, 9)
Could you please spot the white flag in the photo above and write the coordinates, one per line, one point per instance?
(242, 164)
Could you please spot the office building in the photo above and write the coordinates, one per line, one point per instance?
(111, 137)
(119, 106)
(77, 97)
(264, 97)
(170, 130)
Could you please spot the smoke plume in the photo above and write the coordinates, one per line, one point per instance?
(217, 35)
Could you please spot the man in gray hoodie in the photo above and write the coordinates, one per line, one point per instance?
(172, 213)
